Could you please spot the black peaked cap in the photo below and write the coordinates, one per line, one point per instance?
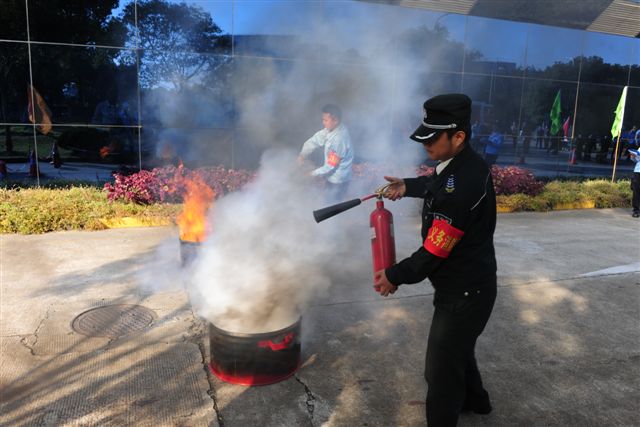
(443, 112)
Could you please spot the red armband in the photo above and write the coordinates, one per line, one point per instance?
(441, 238)
(333, 159)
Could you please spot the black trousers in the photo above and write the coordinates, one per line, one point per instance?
(450, 368)
(635, 188)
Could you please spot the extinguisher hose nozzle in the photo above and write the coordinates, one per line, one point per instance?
(329, 211)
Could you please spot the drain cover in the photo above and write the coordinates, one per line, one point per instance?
(113, 320)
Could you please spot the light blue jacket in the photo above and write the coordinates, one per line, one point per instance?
(636, 159)
(495, 141)
(338, 153)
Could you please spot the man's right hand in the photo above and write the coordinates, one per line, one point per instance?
(396, 188)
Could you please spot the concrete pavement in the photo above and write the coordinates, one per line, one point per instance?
(562, 347)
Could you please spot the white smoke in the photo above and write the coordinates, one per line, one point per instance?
(266, 258)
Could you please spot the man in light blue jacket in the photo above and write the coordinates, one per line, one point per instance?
(635, 183)
(338, 152)
(492, 148)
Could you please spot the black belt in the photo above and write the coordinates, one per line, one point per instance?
(463, 293)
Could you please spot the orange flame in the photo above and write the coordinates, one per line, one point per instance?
(104, 152)
(192, 219)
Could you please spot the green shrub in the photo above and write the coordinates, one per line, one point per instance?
(32, 211)
(40, 210)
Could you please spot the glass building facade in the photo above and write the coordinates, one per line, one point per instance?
(140, 84)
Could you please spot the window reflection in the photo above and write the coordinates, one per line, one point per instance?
(554, 53)
(176, 27)
(14, 66)
(220, 11)
(634, 77)
(224, 80)
(75, 22)
(94, 150)
(438, 46)
(494, 46)
(15, 143)
(607, 58)
(181, 89)
(596, 107)
(278, 28)
(86, 85)
(191, 147)
(13, 20)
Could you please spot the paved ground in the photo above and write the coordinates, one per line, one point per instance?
(561, 349)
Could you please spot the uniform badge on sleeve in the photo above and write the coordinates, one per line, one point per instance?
(450, 185)
(441, 238)
(333, 159)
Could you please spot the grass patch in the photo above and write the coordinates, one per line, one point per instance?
(34, 211)
(598, 193)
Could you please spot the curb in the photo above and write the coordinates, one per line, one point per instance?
(129, 221)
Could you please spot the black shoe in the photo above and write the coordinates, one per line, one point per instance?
(635, 214)
(478, 406)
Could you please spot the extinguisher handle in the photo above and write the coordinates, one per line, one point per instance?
(277, 346)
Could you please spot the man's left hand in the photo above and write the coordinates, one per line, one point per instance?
(382, 284)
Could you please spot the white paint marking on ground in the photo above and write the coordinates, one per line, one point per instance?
(628, 268)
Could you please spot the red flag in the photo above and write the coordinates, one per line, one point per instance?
(42, 116)
(565, 127)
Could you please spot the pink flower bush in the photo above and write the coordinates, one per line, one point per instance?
(424, 170)
(143, 187)
(513, 180)
(506, 180)
(168, 184)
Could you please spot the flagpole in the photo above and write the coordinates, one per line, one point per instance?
(615, 158)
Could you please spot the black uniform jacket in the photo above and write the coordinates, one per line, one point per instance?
(458, 221)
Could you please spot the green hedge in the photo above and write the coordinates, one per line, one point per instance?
(598, 193)
(32, 210)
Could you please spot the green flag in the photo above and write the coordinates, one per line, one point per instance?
(617, 122)
(555, 115)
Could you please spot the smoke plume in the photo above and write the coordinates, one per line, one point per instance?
(266, 258)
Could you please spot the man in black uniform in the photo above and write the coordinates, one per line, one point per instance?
(458, 257)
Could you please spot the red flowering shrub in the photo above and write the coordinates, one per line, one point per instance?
(143, 187)
(514, 180)
(168, 184)
(506, 180)
(424, 170)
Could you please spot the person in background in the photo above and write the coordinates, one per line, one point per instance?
(630, 142)
(591, 144)
(514, 135)
(458, 257)
(635, 183)
(540, 136)
(475, 135)
(492, 149)
(334, 139)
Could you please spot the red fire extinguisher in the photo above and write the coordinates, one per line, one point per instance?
(383, 247)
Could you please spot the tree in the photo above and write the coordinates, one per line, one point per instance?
(177, 44)
(85, 22)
